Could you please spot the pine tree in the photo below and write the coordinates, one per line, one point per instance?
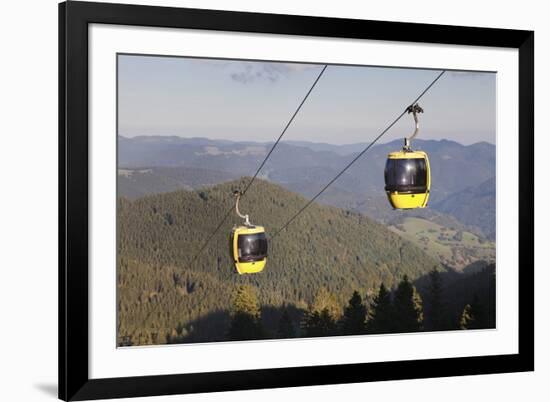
(381, 313)
(245, 315)
(408, 307)
(286, 328)
(353, 321)
(319, 323)
(324, 299)
(311, 323)
(327, 323)
(466, 318)
(322, 315)
(479, 312)
(474, 315)
(434, 309)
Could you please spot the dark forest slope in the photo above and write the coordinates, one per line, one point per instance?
(162, 291)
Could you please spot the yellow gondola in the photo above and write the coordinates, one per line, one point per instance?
(407, 174)
(248, 245)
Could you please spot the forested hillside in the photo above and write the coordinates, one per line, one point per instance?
(325, 247)
(320, 260)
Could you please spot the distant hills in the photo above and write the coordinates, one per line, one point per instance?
(473, 206)
(135, 183)
(462, 176)
(345, 149)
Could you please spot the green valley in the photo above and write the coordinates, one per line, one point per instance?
(452, 246)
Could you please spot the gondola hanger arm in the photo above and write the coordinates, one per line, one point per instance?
(237, 195)
(414, 109)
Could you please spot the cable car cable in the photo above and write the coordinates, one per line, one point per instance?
(263, 162)
(357, 157)
(284, 130)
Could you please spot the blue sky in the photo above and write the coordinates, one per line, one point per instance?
(252, 101)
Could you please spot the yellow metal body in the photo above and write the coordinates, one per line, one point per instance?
(406, 200)
(245, 267)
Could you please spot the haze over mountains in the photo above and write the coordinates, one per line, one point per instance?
(463, 177)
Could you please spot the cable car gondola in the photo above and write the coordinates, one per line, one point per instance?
(248, 245)
(407, 173)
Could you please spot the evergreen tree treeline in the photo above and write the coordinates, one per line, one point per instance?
(400, 311)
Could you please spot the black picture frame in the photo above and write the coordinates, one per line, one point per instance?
(74, 18)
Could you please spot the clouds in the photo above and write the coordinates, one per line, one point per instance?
(247, 72)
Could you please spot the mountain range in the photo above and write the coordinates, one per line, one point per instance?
(463, 177)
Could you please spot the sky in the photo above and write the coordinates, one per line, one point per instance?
(254, 100)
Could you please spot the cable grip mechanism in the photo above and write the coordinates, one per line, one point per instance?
(414, 109)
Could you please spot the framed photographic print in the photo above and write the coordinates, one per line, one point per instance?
(257, 200)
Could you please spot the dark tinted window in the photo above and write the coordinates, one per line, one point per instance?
(406, 174)
(252, 247)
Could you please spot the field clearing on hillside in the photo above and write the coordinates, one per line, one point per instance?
(452, 247)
